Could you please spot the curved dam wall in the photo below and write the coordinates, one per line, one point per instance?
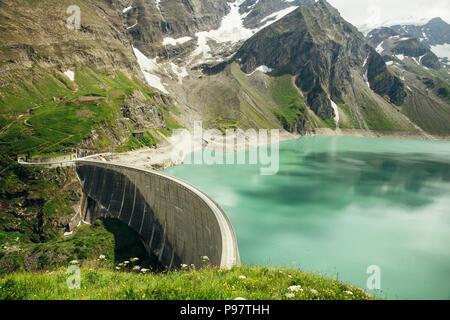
(176, 222)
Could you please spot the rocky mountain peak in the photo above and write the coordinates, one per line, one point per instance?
(317, 46)
(394, 46)
(435, 32)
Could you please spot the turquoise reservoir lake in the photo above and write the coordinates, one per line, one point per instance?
(341, 204)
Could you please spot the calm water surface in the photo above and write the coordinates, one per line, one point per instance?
(341, 204)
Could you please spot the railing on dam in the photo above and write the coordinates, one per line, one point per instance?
(176, 222)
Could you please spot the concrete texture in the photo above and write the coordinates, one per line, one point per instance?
(176, 222)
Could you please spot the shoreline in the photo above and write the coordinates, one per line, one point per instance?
(377, 134)
(173, 151)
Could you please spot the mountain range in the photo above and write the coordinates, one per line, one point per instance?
(224, 62)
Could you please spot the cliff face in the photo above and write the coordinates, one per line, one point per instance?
(320, 49)
(149, 22)
(384, 82)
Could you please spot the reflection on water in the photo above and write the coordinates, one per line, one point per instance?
(341, 204)
(407, 180)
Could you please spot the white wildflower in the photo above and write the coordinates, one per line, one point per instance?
(314, 291)
(240, 299)
(74, 262)
(102, 257)
(290, 295)
(349, 292)
(295, 288)
(242, 277)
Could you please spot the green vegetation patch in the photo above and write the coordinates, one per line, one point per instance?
(171, 122)
(50, 113)
(222, 124)
(134, 144)
(292, 109)
(351, 122)
(376, 119)
(252, 283)
(109, 238)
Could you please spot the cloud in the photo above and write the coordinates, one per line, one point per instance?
(371, 12)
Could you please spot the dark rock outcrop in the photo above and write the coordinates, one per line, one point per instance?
(383, 82)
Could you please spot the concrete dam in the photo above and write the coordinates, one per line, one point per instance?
(175, 221)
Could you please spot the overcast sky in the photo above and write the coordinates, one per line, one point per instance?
(373, 12)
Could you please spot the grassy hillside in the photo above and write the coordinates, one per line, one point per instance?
(428, 103)
(251, 283)
(292, 109)
(46, 115)
(36, 205)
(348, 119)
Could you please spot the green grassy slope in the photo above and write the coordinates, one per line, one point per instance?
(292, 109)
(350, 120)
(251, 283)
(46, 115)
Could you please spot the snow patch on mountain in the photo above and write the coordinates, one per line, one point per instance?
(174, 42)
(70, 74)
(263, 68)
(277, 16)
(148, 68)
(127, 9)
(380, 48)
(365, 61)
(416, 61)
(336, 112)
(231, 30)
(180, 72)
(366, 78)
(134, 25)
